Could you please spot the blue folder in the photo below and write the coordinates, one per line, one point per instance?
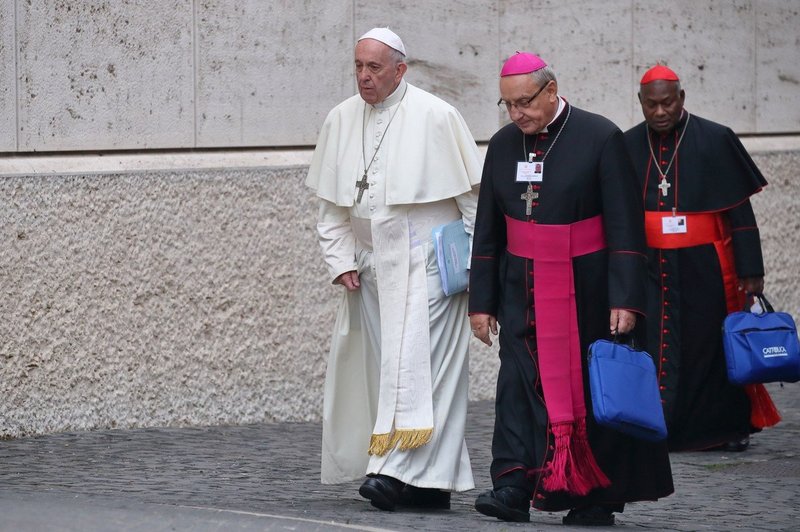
(451, 243)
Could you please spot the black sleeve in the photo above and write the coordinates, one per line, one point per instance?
(746, 241)
(623, 217)
(488, 245)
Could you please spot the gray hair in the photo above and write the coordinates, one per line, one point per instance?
(543, 76)
(396, 56)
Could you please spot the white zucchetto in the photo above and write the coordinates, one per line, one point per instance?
(387, 37)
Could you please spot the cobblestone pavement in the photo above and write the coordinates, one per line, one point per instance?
(265, 477)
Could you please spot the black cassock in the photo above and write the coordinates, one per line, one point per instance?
(586, 173)
(711, 173)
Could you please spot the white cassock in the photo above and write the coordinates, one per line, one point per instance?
(397, 380)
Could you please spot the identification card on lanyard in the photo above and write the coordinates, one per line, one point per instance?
(672, 225)
(530, 172)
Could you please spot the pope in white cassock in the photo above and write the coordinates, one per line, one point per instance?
(390, 164)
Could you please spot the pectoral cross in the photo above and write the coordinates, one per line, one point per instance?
(361, 185)
(664, 186)
(529, 196)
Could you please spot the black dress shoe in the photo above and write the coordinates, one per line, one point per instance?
(429, 498)
(737, 446)
(507, 503)
(382, 491)
(589, 516)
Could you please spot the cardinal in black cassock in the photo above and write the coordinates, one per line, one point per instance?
(558, 262)
(704, 255)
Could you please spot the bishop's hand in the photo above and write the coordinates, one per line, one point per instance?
(752, 285)
(482, 325)
(621, 321)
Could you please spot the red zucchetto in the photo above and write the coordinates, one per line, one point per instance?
(659, 72)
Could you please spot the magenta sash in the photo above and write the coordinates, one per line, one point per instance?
(552, 247)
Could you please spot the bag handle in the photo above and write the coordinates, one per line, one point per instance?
(624, 339)
(630, 341)
(765, 305)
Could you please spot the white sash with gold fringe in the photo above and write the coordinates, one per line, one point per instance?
(405, 409)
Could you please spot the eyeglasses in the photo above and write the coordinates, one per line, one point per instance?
(522, 103)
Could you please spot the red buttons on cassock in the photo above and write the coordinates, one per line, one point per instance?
(664, 359)
(662, 388)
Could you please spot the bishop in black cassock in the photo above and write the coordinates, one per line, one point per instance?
(704, 254)
(557, 175)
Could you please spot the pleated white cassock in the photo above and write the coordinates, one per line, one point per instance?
(400, 299)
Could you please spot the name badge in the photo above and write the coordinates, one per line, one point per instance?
(530, 172)
(671, 225)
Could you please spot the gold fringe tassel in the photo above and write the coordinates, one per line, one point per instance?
(411, 438)
(380, 444)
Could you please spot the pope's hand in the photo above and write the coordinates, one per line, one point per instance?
(349, 280)
(482, 325)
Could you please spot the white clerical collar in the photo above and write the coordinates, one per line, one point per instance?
(561, 105)
(394, 98)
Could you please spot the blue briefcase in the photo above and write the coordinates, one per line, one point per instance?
(624, 389)
(761, 347)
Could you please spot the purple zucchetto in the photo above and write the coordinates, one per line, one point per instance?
(522, 63)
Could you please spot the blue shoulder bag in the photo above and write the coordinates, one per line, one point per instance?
(624, 390)
(761, 347)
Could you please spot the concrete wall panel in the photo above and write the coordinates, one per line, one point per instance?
(711, 47)
(102, 75)
(586, 43)
(778, 68)
(450, 54)
(8, 79)
(269, 72)
(134, 74)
